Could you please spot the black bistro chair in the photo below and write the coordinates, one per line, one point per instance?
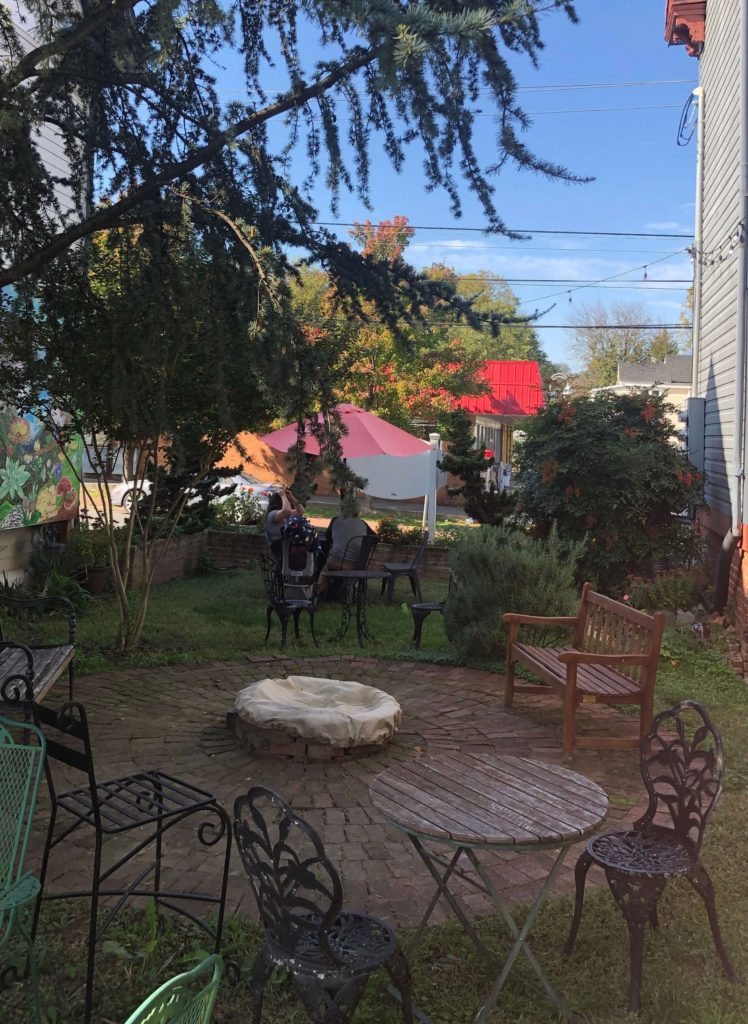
(150, 801)
(682, 770)
(328, 950)
(279, 601)
(420, 610)
(409, 568)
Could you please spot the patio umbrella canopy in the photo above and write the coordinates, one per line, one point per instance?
(395, 463)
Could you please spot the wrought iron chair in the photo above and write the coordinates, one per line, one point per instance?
(359, 551)
(285, 607)
(409, 568)
(329, 951)
(181, 1001)
(682, 770)
(150, 801)
(21, 765)
(420, 610)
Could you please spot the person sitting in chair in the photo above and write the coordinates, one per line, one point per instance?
(344, 530)
(281, 507)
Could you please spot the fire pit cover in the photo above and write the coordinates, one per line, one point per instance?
(334, 711)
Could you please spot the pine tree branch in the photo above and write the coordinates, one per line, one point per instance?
(65, 40)
(105, 217)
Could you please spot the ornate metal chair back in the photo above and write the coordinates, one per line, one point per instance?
(69, 742)
(186, 999)
(21, 765)
(273, 580)
(298, 891)
(682, 765)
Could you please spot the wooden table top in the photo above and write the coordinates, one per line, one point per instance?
(485, 800)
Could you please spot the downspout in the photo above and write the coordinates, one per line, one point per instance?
(732, 537)
(698, 235)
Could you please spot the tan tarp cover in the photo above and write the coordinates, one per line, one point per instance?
(260, 460)
(332, 711)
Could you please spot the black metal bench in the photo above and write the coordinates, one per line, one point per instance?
(49, 661)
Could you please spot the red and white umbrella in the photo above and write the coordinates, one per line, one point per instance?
(394, 463)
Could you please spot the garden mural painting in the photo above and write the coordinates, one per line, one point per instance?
(38, 479)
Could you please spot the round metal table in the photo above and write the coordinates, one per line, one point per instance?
(474, 802)
(357, 584)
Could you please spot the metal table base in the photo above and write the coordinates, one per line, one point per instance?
(450, 868)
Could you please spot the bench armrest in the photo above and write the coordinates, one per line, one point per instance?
(40, 602)
(510, 618)
(19, 686)
(584, 658)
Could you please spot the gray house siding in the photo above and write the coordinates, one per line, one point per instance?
(720, 79)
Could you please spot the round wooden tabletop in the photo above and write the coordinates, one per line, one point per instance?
(485, 800)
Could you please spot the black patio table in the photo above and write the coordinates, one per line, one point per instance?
(357, 581)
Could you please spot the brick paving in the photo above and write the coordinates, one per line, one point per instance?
(174, 719)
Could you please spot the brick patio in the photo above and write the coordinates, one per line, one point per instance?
(174, 719)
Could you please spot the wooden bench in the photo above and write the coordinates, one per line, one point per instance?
(612, 659)
(48, 661)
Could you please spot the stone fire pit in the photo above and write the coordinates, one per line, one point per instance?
(311, 719)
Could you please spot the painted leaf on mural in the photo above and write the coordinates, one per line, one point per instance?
(38, 481)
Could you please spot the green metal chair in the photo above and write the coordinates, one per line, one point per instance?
(181, 1001)
(22, 750)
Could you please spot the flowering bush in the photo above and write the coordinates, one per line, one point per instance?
(607, 470)
(673, 590)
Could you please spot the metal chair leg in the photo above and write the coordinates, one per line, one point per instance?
(296, 617)
(637, 897)
(262, 968)
(31, 956)
(94, 913)
(702, 883)
(270, 622)
(311, 627)
(419, 617)
(399, 971)
(580, 877)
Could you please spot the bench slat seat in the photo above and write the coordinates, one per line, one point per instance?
(44, 663)
(593, 681)
(612, 659)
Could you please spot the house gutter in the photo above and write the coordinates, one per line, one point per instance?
(697, 242)
(732, 537)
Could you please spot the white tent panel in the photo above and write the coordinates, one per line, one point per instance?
(397, 477)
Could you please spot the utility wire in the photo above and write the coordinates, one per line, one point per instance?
(585, 110)
(603, 280)
(519, 231)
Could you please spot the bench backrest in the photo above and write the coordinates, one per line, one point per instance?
(606, 626)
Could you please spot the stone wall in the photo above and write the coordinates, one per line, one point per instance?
(178, 561)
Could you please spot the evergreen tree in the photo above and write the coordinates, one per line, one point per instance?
(129, 92)
(464, 460)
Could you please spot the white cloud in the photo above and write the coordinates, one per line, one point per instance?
(666, 225)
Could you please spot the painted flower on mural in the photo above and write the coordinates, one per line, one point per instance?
(13, 476)
(19, 431)
(67, 492)
(46, 502)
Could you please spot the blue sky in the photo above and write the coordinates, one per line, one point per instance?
(643, 181)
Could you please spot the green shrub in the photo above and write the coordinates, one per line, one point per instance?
(606, 470)
(499, 570)
(389, 531)
(673, 590)
(63, 586)
(237, 510)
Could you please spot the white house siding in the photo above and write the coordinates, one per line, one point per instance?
(720, 78)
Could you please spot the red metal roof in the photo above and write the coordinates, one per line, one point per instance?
(516, 389)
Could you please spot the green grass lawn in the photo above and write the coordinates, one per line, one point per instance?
(222, 617)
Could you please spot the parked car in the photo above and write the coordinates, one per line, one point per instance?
(123, 493)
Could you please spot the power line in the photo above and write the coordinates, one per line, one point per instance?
(604, 85)
(519, 231)
(572, 280)
(586, 110)
(604, 280)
